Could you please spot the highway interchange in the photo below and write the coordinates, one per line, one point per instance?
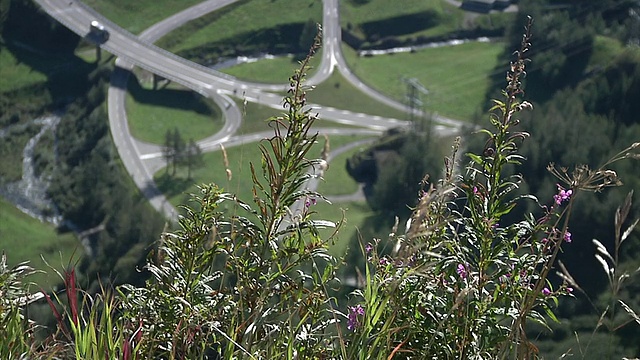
(141, 159)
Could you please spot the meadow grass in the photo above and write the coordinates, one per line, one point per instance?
(243, 17)
(152, 113)
(272, 71)
(457, 77)
(352, 16)
(138, 15)
(24, 238)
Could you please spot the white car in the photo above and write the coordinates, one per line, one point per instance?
(98, 31)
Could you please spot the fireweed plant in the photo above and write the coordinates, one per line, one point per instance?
(459, 284)
(252, 284)
(253, 279)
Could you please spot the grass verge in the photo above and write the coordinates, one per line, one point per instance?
(457, 77)
(274, 70)
(337, 92)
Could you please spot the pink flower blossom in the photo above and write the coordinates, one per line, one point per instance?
(546, 292)
(354, 312)
(310, 201)
(562, 195)
(462, 271)
(567, 236)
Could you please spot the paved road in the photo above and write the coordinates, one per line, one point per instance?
(142, 159)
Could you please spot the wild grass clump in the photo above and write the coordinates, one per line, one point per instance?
(253, 279)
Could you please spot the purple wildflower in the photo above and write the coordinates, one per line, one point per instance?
(384, 261)
(368, 248)
(562, 195)
(567, 236)
(462, 271)
(546, 292)
(309, 202)
(354, 312)
(569, 290)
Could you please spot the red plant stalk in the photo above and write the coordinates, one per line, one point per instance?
(72, 294)
(56, 313)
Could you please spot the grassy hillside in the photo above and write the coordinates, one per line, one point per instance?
(24, 238)
(241, 18)
(377, 18)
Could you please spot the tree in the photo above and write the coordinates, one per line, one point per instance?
(173, 149)
(167, 149)
(193, 157)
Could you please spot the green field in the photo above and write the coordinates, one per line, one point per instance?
(457, 77)
(138, 15)
(152, 112)
(23, 238)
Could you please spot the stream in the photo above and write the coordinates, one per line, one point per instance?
(30, 193)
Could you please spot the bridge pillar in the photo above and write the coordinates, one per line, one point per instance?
(98, 53)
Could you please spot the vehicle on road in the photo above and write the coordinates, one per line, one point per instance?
(98, 32)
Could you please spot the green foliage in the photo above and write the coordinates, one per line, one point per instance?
(402, 174)
(16, 333)
(92, 191)
(464, 281)
(241, 274)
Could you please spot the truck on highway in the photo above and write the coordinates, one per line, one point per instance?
(98, 32)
